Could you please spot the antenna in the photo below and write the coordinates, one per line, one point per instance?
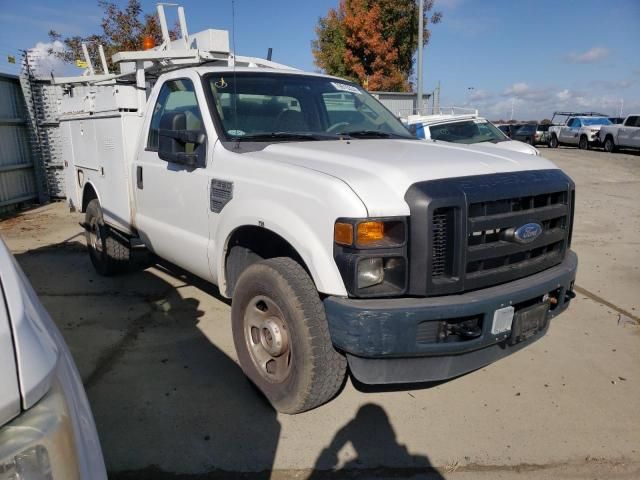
(269, 53)
(235, 83)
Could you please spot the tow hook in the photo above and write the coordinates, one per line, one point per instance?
(467, 329)
(569, 295)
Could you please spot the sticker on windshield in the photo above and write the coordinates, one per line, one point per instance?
(236, 133)
(346, 88)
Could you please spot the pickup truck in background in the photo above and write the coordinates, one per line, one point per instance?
(579, 129)
(625, 135)
(341, 239)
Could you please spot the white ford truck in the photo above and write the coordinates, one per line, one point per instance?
(625, 135)
(579, 129)
(342, 240)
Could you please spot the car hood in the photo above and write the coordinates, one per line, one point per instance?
(381, 171)
(511, 145)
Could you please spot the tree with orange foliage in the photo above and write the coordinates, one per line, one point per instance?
(372, 41)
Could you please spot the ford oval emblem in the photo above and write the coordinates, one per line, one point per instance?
(527, 233)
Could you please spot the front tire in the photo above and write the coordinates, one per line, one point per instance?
(553, 143)
(109, 250)
(583, 144)
(609, 146)
(282, 338)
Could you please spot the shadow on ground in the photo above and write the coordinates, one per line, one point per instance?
(153, 348)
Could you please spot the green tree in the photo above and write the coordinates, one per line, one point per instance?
(372, 41)
(123, 29)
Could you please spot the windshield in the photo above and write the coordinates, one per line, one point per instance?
(268, 107)
(596, 121)
(468, 132)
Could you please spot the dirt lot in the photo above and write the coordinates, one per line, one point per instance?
(155, 351)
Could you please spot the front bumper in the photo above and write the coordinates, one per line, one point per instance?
(384, 344)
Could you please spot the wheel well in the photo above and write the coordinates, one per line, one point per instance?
(88, 194)
(255, 244)
(609, 136)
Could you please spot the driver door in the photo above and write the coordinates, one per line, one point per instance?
(172, 198)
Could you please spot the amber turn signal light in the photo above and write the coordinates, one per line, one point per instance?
(370, 232)
(148, 43)
(343, 233)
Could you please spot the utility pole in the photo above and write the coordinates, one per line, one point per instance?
(420, 42)
(513, 101)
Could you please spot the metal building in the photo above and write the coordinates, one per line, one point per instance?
(17, 175)
(402, 104)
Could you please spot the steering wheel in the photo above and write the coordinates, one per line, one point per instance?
(333, 128)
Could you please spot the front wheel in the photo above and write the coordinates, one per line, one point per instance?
(609, 146)
(109, 250)
(282, 338)
(553, 143)
(583, 144)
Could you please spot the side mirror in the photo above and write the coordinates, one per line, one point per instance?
(174, 138)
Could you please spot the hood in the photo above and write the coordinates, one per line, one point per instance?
(511, 145)
(9, 389)
(381, 171)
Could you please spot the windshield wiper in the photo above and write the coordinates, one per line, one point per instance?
(371, 134)
(284, 136)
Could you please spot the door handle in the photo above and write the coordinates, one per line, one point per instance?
(139, 182)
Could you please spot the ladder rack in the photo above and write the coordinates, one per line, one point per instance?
(210, 47)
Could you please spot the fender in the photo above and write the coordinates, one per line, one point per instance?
(315, 250)
(89, 182)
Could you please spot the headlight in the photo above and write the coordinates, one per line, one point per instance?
(371, 255)
(370, 272)
(39, 444)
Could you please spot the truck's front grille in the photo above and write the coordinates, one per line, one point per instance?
(471, 227)
(491, 256)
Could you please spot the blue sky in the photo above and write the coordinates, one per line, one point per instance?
(535, 55)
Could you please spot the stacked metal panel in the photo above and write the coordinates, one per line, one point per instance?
(17, 179)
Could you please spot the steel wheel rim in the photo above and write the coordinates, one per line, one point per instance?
(95, 237)
(267, 338)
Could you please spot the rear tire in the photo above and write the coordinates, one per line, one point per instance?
(553, 142)
(282, 338)
(609, 146)
(109, 250)
(583, 144)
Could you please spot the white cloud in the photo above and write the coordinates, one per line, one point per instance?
(590, 56)
(43, 63)
(537, 103)
(479, 95)
(522, 90)
(518, 89)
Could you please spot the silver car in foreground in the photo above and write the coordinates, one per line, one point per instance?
(47, 431)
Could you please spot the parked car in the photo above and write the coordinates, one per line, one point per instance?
(579, 129)
(509, 129)
(626, 135)
(466, 129)
(340, 238)
(533, 134)
(46, 426)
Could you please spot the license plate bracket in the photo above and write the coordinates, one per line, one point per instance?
(529, 321)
